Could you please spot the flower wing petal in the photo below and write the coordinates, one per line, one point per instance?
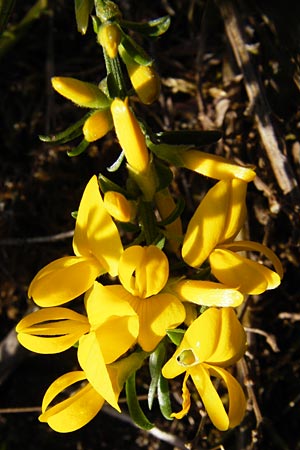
(63, 280)
(74, 412)
(95, 231)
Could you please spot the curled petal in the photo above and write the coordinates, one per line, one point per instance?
(240, 246)
(211, 400)
(95, 231)
(143, 271)
(74, 412)
(250, 277)
(64, 279)
(207, 293)
(215, 166)
(51, 330)
(186, 400)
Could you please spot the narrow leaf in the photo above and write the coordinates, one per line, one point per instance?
(67, 135)
(196, 138)
(163, 395)
(135, 410)
(79, 149)
(156, 362)
(152, 28)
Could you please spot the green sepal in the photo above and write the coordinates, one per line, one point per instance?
(135, 51)
(152, 28)
(79, 149)
(107, 185)
(156, 361)
(195, 138)
(180, 205)
(160, 241)
(74, 214)
(83, 9)
(163, 173)
(67, 135)
(96, 24)
(176, 335)
(134, 408)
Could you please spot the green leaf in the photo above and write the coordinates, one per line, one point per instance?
(176, 335)
(116, 165)
(83, 9)
(163, 395)
(152, 28)
(79, 149)
(67, 135)
(135, 410)
(164, 174)
(135, 51)
(107, 185)
(168, 152)
(156, 361)
(196, 138)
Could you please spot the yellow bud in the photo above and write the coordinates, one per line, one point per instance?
(97, 125)
(82, 93)
(109, 37)
(145, 82)
(130, 135)
(119, 207)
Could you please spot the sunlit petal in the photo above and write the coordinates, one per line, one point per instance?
(156, 314)
(63, 280)
(248, 276)
(207, 293)
(215, 166)
(91, 360)
(240, 246)
(74, 412)
(209, 396)
(237, 211)
(143, 271)
(173, 368)
(95, 231)
(207, 226)
(236, 397)
(51, 330)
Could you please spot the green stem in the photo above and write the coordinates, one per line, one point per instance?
(148, 221)
(115, 78)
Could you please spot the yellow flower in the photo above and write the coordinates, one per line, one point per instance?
(119, 207)
(108, 331)
(212, 342)
(83, 405)
(97, 246)
(97, 125)
(143, 272)
(109, 36)
(211, 233)
(82, 93)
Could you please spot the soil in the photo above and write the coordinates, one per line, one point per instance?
(203, 87)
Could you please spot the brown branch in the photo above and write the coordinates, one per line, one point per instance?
(37, 240)
(283, 172)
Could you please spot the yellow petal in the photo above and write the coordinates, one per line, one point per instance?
(207, 293)
(130, 135)
(209, 396)
(119, 207)
(207, 226)
(95, 231)
(240, 246)
(82, 93)
(173, 368)
(63, 280)
(52, 330)
(97, 125)
(186, 400)
(215, 166)
(109, 36)
(237, 211)
(74, 412)
(156, 315)
(248, 276)
(145, 82)
(215, 336)
(236, 397)
(143, 271)
(91, 360)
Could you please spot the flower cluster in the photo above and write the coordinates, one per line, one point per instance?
(160, 285)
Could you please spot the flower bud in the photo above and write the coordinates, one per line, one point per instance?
(130, 135)
(97, 125)
(107, 10)
(119, 207)
(109, 36)
(82, 93)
